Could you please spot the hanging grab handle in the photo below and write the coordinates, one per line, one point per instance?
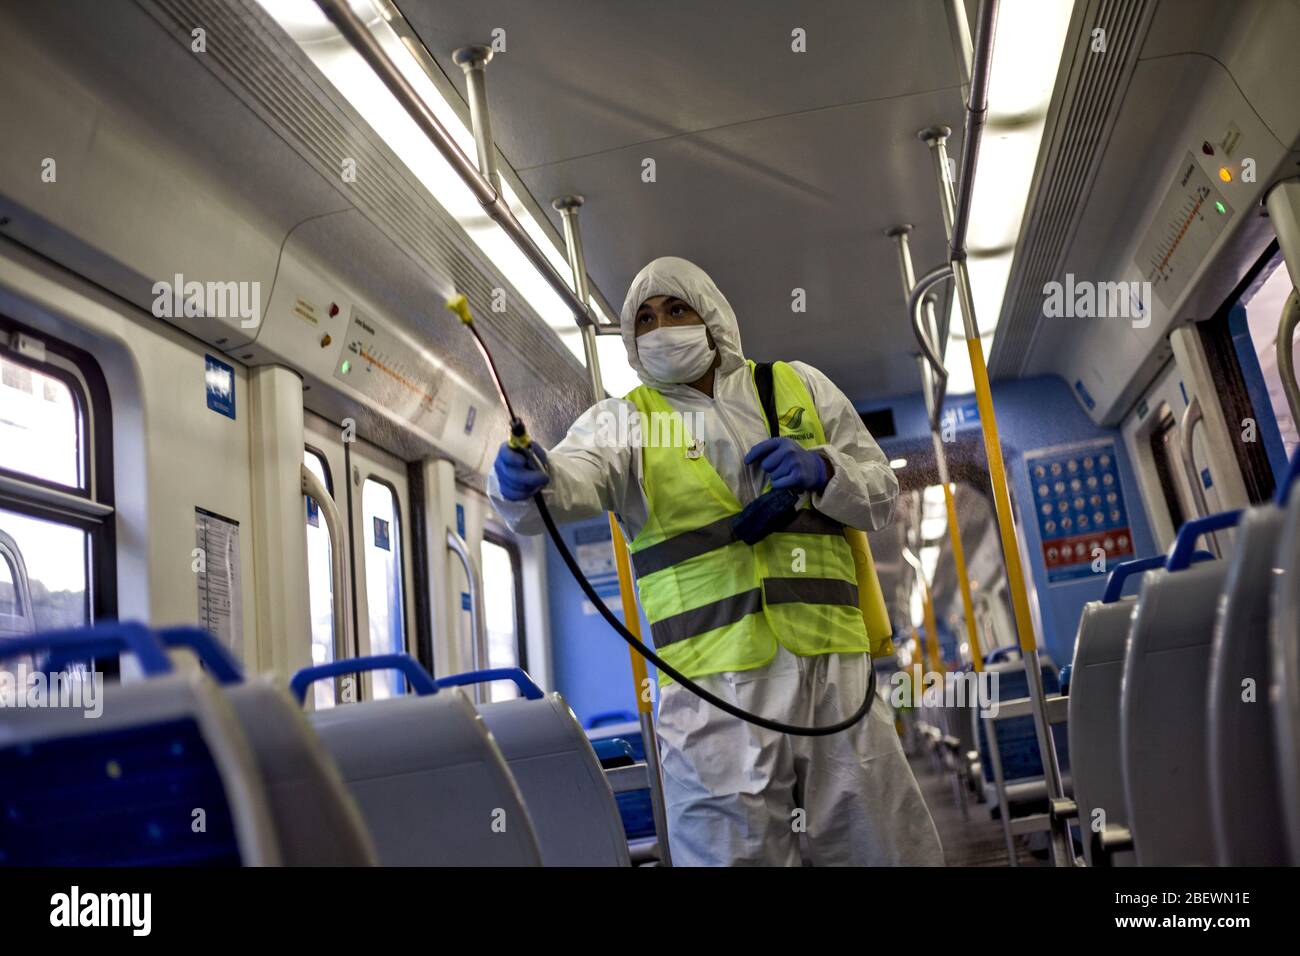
(516, 674)
(416, 675)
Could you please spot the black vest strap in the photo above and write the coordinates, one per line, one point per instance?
(767, 396)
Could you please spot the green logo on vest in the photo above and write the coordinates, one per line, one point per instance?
(791, 421)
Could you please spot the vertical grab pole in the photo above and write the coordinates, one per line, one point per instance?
(314, 488)
(473, 61)
(935, 138)
(567, 207)
(477, 618)
(908, 276)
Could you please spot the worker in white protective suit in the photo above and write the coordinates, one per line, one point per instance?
(778, 636)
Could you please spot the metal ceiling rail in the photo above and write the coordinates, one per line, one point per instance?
(489, 197)
(956, 215)
(977, 108)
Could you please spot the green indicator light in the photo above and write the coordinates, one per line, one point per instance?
(1221, 207)
(345, 367)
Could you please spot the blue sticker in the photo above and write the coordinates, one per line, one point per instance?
(1206, 480)
(1083, 394)
(962, 414)
(313, 512)
(460, 520)
(381, 534)
(464, 600)
(219, 379)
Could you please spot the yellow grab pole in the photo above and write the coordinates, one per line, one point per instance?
(567, 207)
(1002, 498)
(931, 630)
(959, 562)
(631, 617)
(918, 661)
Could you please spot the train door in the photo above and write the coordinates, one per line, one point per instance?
(370, 490)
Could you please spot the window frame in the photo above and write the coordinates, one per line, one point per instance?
(1231, 387)
(89, 507)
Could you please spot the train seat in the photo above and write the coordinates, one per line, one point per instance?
(1017, 739)
(1163, 712)
(1024, 787)
(162, 776)
(431, 782)
(1094, 714)
(569, 800)
(317, 822)
(1245, 809)
(1284, 638)
(1093, 726)
(617, 739)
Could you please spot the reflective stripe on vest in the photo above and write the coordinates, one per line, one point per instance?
(716, 604)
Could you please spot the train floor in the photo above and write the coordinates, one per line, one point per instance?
(972, 840)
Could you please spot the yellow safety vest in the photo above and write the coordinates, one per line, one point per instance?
(717, 604)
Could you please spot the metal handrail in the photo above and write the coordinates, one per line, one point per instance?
(1193, 415)
(360, 39)
(916, 302)
(1285, 360)
(315, 489)
(976, 114)
(478, 631)
(11, 554)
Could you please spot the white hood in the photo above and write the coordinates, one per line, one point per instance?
(670, 275)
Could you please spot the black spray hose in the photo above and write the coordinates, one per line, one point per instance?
(519, 439)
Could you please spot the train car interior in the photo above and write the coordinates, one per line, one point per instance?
(284, 282)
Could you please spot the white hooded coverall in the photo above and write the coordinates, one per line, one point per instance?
(738, 794)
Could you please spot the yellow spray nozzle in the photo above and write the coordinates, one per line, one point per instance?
(519, 438)
(460, 305)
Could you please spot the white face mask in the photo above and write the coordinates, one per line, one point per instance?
(676, 354)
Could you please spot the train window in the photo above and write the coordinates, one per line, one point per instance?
(55, 536)
(40, 430)
(503, 609)
(1263, 310)
(56, 559)
(383, 580)
(320, 583)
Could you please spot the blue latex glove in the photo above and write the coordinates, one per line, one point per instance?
(789, 464)
(518, 474)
